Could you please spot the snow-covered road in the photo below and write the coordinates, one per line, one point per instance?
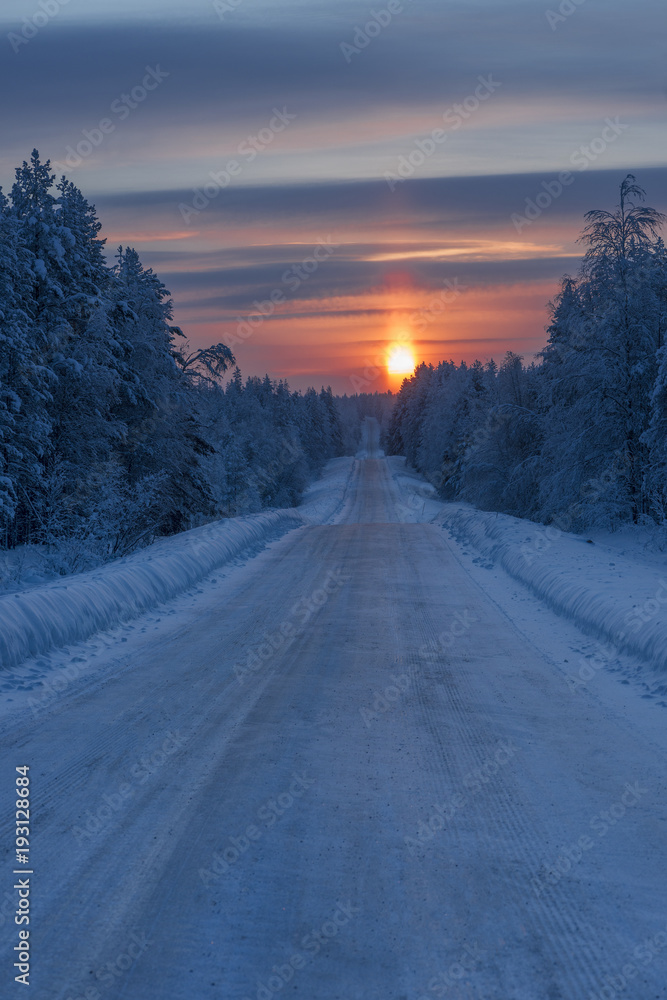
(342, 772)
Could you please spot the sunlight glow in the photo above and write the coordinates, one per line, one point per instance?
(400, 360)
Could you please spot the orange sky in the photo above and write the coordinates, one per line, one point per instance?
(437, 296)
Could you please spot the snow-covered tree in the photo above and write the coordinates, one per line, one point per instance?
(580, 438)
(112, 428)
(25, 382)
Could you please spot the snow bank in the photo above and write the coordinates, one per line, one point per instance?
(73, 608)
(324, 499)
(619, 597)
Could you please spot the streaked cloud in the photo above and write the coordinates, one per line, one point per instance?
(324, 176)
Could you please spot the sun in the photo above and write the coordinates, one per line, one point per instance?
(400, 360)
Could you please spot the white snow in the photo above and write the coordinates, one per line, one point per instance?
(324, 499)
(614, 591)
(68, 611)
(612, 587)
(449, 772)
(76, 607)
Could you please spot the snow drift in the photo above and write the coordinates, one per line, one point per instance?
(617, 597)
(74, 608)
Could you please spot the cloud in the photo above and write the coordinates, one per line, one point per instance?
(237, 290)
(426, 202)
(224, 72)
(429, 217)
(323, 176)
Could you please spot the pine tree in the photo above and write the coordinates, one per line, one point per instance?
(600, 366)
(24, 384)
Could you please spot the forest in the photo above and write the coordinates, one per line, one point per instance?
(113, 430)
(578, 437)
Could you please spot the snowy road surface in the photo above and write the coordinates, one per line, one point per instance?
(341, 772)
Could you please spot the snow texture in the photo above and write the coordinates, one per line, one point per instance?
(71, 610)
(619, 597)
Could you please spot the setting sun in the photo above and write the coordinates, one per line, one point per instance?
(400, 360)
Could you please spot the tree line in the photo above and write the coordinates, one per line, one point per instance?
(579, 437)
(113, 430)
